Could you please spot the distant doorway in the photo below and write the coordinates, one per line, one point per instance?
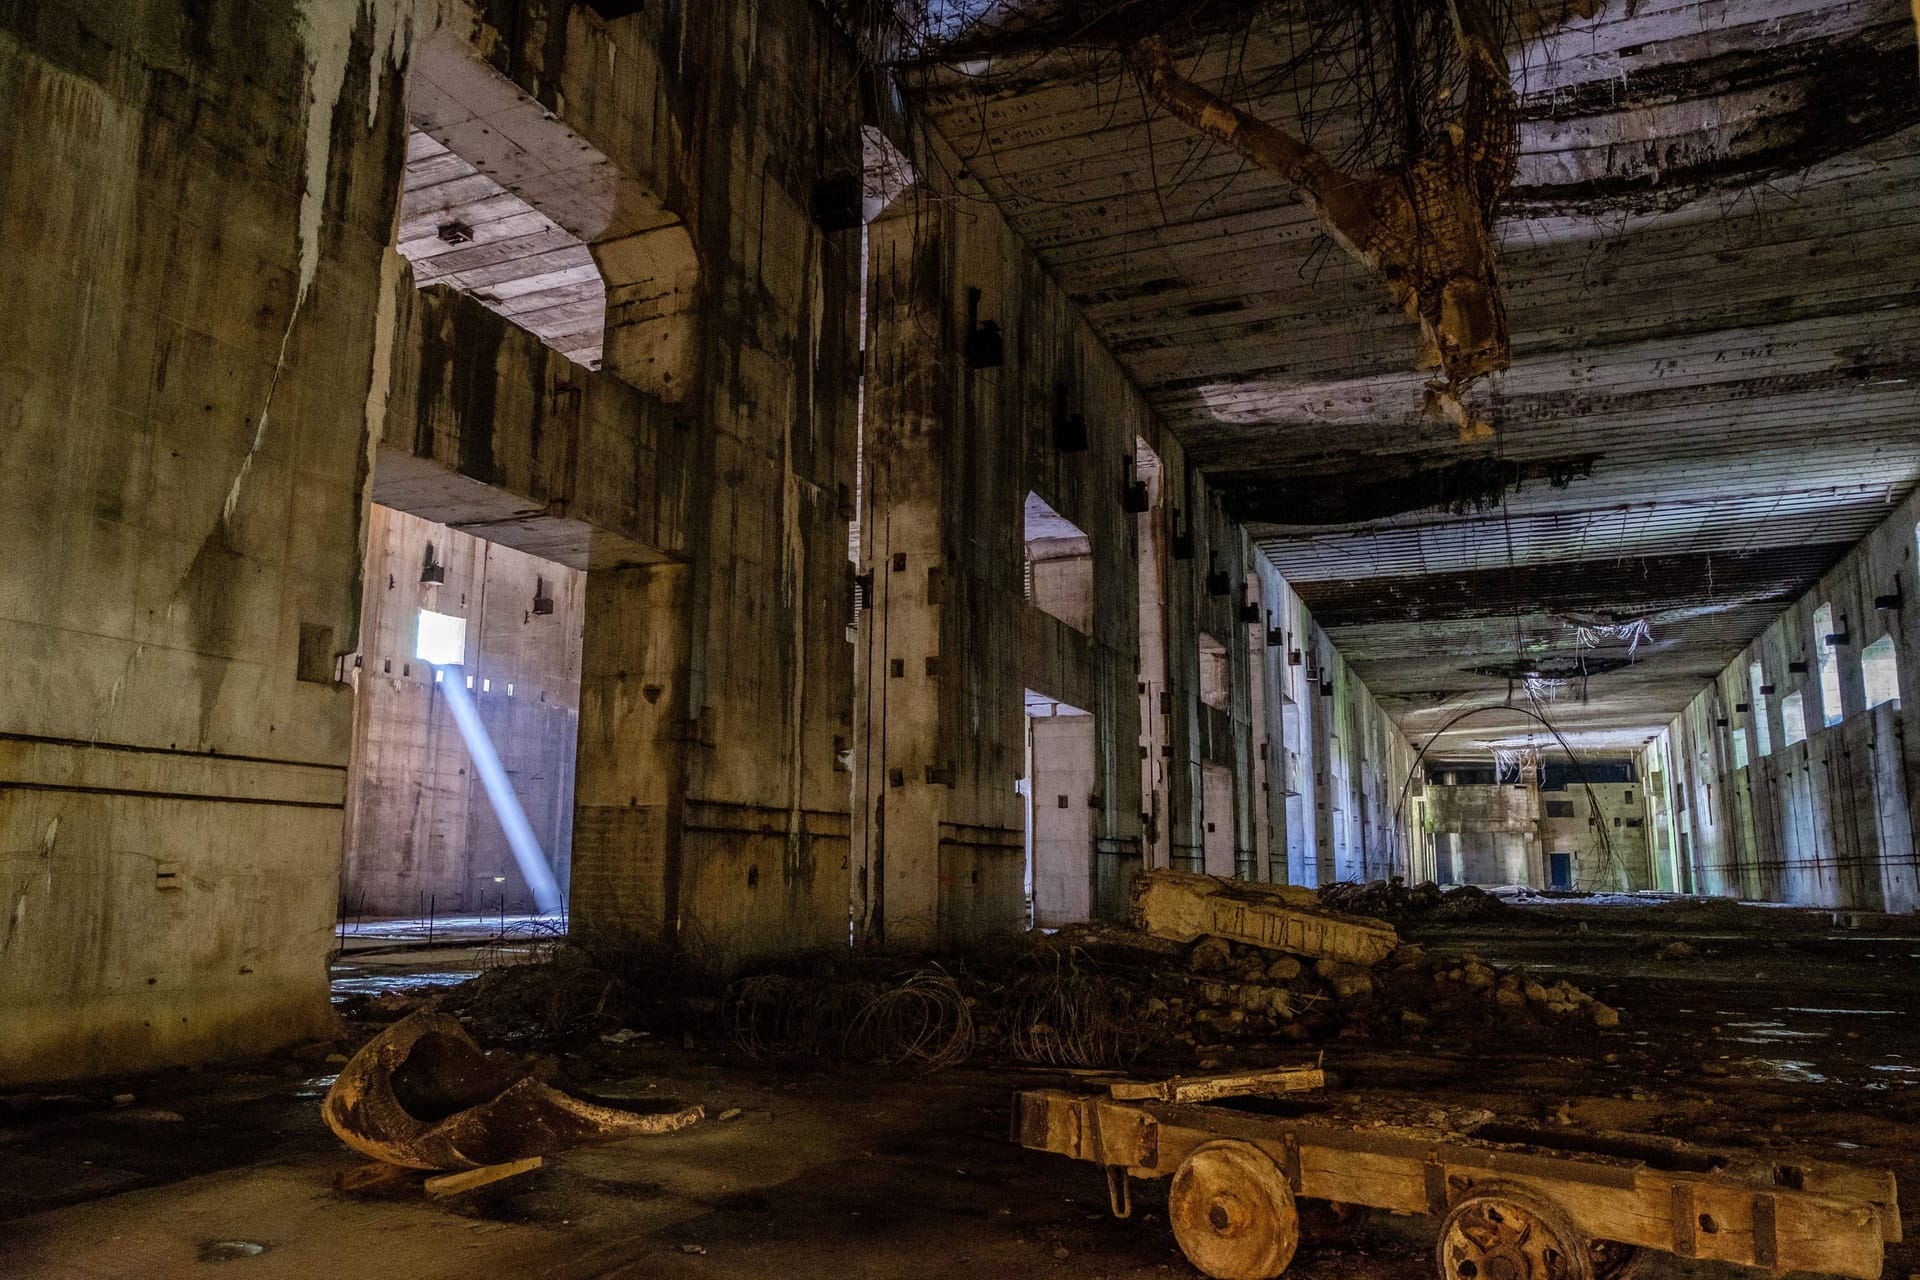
(1060, 852)
(1560, 870)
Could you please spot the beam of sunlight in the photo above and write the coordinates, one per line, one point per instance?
(506, 805)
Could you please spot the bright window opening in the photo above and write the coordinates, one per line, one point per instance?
(1762, 727)
(1059, 565)
(1879, 672)
(1739, 746)
(1830, 710)
(1793, 718)
(441, 640)
(1213, 672)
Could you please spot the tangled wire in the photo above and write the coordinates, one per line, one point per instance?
(1066, 1011)
(923, 1020)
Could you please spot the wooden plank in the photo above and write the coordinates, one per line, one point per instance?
(452, 1184)
(1242, 1084)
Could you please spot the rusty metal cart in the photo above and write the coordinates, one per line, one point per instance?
(1514, 1203)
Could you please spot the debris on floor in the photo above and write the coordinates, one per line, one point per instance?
(423, 1095)
(1394, 900)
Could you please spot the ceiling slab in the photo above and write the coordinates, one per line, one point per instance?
(1710, 263)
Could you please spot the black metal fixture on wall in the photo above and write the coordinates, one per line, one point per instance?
(1069, 429)
(984, 348)
(837, 203)
(1218, 583)
(1182, 544)
(1134, 498)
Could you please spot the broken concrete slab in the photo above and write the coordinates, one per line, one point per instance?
(1182, 906)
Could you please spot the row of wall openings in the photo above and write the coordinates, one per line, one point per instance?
(1879, 677)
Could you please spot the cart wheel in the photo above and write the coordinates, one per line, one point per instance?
(1615, 1261)
(1232, 1212)
(1506, 1233)
(1331, 1221)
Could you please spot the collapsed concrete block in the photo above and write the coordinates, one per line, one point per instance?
(1177, 905)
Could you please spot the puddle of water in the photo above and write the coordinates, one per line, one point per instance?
(355, 982)
(316, 1088)
(1783, 1069)
(1767, 1032)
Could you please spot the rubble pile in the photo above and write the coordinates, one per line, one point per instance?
(1394, 900)
(1208, 963)
(1243, 993)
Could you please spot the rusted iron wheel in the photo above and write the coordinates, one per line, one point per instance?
(1232, 1212)
(1506, 1233)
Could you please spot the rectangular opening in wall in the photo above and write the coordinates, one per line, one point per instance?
(1059, 565)
(1061, 783)
(1829, 658)
(1213, 672)
(1880, 673)
(1762, 728)
(440, 639)
(1793, 718)
(1739, 746)
(460, 790)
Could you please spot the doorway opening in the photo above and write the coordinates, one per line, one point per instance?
(1060, 810)
(466, 711)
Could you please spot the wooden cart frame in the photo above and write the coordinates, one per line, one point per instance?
(1646, 1192)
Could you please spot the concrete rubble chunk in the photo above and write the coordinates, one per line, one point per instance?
(1182, 906)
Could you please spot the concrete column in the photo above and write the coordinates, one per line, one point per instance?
(630, 786)
(898, 801)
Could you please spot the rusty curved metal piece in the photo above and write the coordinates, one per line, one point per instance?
(423, 1095)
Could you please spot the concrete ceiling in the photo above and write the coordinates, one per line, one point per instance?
(461, 228)
(1712, 273)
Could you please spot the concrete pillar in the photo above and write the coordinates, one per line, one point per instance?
(636, 725)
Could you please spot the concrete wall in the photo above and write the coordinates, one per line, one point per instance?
(194, 206)
(421, 833)
(1506, 833)
(1337, 795)
(949, 643)
(703, 480)
(1829, 821)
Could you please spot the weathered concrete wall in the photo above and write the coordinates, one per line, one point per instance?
(1337, 798)
(421, 833)
(949, 645)
(1830, 820)
(704, 478)
(1507, 833)
(194, 205)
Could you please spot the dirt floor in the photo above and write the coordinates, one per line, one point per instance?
(1780, 1030)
